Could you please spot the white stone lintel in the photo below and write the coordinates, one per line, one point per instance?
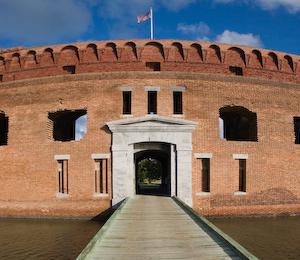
(202, 155)
(240, 156)
(177, 89)
(96, 156)
(129, 88)
(62, 157)
(152, 88)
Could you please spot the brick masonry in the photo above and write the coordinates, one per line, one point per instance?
(34, 83)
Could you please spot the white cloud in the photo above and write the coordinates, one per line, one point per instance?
(42, 21)
(193, 28)
(199, 31)
(202, 32)
(293, 6)
(124, 13)
(176, 5)
(232, 37)
(223, 1)
(120, 9)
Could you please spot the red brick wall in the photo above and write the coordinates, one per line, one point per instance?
(29, 172)
(183, 56)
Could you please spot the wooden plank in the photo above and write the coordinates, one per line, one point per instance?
(150, 227)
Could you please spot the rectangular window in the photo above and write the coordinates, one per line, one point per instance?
(236, 70)
(126, 102)
(297, 129)
(63, 180)
(67, 124)
(69, 69)
(177, 102)
(155, 66)
(152, 102)
(101, 176)
(242, 175)
(205, 174)
(1, 78)
(3, 129)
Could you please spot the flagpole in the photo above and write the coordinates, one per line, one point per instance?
(151, 13)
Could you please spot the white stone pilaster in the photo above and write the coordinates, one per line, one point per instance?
(184, 174)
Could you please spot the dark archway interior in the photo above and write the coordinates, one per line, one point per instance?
(161, 186)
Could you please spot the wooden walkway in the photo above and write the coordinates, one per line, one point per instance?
(153, 227)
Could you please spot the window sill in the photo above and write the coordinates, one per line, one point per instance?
(126, 116)
(62, 195)
(100, 195)
(202, 193)
(240, 193)
(178, 115)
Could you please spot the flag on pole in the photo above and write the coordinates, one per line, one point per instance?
(144, 17)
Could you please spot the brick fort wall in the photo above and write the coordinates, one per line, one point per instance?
(88, 76)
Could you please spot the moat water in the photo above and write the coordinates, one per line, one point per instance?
(268, 238)
(46, 239)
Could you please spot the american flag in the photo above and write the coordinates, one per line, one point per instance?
(144, 17)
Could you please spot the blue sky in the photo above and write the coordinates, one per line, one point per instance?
(269, 24)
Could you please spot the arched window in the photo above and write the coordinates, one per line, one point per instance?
(91, 53)
(272, 61)
(196, 54)
(256, 59)
(176, 52)
(47, 58)
(129, 52)
(238, 124)
(214, 54)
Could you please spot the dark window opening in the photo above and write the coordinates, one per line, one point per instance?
(177, 102)
(3, 129)
(242, 175)
(236, 70)
(69, 69)
(64, 124)
(127, 102)
(101, 176)
(239, 124)
(1, 78)
(297, 129)
(152, 102)
(155, 66)
(63, 179)
(205, 175)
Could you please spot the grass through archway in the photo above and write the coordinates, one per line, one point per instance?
(149, 176)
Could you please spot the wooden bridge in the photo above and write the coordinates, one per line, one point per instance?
(155, 227)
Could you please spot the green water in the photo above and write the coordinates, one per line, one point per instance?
(44, 239)
(268, 238)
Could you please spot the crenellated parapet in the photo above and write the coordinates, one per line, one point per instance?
(147, 55)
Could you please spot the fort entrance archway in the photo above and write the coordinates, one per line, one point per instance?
(131, 136)
(153, 169)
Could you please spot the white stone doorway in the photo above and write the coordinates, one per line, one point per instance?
(129, 136)
(155, 156)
